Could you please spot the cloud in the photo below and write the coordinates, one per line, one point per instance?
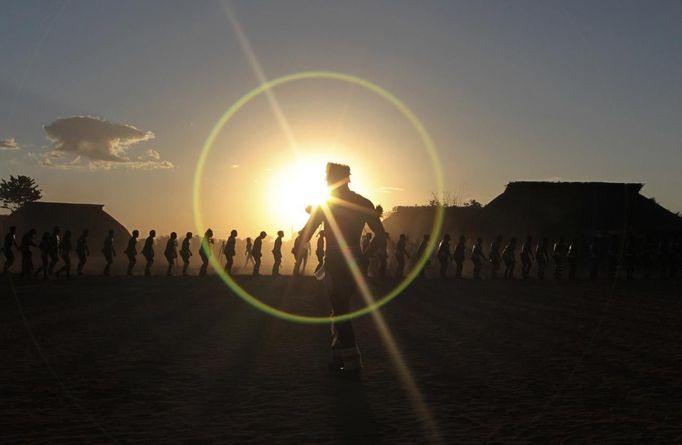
(9, 144)
(97, 144)
(389, 189)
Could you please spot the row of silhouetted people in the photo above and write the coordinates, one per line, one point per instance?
(564, 256)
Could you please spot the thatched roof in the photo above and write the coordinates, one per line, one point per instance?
(43, 216)
(549, 209)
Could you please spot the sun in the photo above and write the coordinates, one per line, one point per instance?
(292, 187)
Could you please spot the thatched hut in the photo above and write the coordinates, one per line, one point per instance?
(43, 216)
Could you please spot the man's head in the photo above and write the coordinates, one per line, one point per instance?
(280, 233)
(56, 230)
(173, 235)
(188, 235)
(136, 233)
(111, 232)
(403, 237)
(233, 233)
(338, 175)
(152, 233)
(262, 235)
(13, 229)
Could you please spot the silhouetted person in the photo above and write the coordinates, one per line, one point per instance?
(614, 256)
(401, 255)
(509, 258)
(9, 243)
(459, 255)
(257, 252)
(205, 251)
(477, 257)
(630, 257)
(230, 251)
(364, 245)
(319, 251)
(277, 253)
(44, 247)
(82, 250)
(131, 251)
(26, 254)
(148, 252)
(559, 255)
(296, 250)
(382, 255)
(527, 257)
(542, 257)
(421, 251)
(596, 257)
(171, 253)
(444, 255)
(186, 252)
(65, 247)
(350, 212)
(247, 251)
(495, 257)
(572, 258)
(108, 252)
(54, 249)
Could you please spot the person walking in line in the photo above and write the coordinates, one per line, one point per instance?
(171, 253)
(509, 258)
(277, 253)
(495, 257)
(542, 257)
(44, 247)
(319, 251)
(26, 254)
(54, 249)
(9, 243)
(257, 252)
(459, 255)
(205, 251)
(444, 255)
(82, 251)
(527, 257)
(186, 252)
(230, 251)
(559, 255)
(247, 252)
(477, 257)
(148, 252)
(421, 251)
(108, 252)
(364, 245)
(65, 247)
(401, 255)
(131, 251)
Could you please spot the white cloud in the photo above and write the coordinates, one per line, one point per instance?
(97, 144)
(389, 189)
(8, 144)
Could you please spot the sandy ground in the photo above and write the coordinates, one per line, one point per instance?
(184, 360)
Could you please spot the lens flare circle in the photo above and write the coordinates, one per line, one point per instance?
(318, 75)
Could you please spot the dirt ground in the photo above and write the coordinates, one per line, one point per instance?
(129, 359)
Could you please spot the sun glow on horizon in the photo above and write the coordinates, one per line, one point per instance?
(294, 186)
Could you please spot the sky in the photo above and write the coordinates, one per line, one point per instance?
(111, 102)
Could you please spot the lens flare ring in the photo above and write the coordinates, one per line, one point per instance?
(426, 141)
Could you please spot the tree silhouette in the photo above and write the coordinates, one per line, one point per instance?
(18, 191)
